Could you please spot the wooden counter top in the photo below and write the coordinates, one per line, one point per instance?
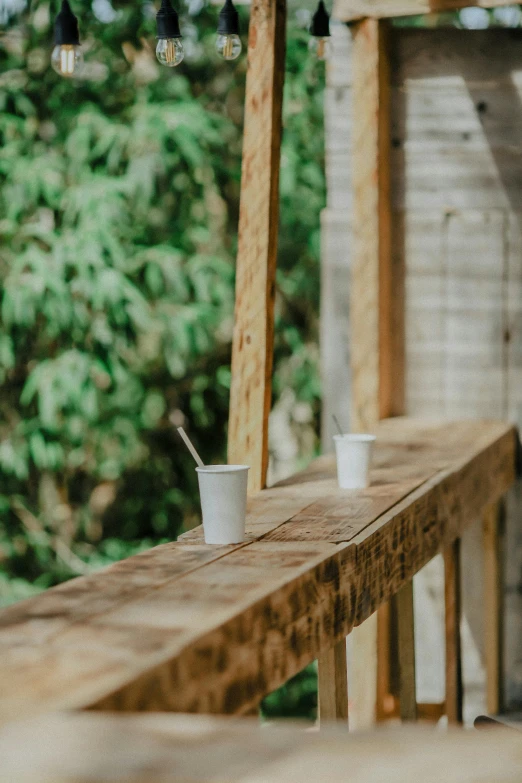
(189, 627)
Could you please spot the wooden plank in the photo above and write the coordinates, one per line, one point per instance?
(286, 511)
(352, 10)
(393, 548)
(452, 596)
(376, 376)
(406, 645)
(38, 621)
(191, 627)
(333, 684)
(493, 607)
(370, 289)
(175, 749)
(252, 350)
(215, 641)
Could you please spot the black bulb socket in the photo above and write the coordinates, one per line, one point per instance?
(228, 21)
(320, 26)
(167, 21)
(66, 31)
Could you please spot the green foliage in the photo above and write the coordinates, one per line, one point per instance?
(296, 699)
(118, 229)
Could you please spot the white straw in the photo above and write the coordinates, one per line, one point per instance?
(336, 422)
(190, 447)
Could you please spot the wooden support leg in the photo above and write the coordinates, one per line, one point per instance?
(406, 645)
(493, 607)
(386, 701)
(452, 595)
(363, 680)
(333, 684)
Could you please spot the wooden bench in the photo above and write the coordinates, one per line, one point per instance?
(161, 748)
(188, 627)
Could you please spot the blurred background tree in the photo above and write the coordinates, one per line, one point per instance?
(118, 219)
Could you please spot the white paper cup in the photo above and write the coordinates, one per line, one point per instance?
(223, 493)
(354, 456)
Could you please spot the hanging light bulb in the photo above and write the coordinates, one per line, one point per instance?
(320, 42)
(169, 50)
(67, 57)
(228, 43)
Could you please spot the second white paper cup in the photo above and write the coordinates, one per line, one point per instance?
(223, 493)
(354, 456)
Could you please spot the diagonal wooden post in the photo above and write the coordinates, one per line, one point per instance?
(253, 343)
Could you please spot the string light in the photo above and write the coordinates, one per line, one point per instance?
(169, 49)
(67, 57)
(228, 42)
(320, 43)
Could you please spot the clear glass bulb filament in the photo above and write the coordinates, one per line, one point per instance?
(67, 60)
(169, 51)
(229, 46)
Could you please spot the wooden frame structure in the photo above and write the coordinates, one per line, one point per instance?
(195, 628)
(377, 334)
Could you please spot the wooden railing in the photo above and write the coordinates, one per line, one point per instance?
(190, 627)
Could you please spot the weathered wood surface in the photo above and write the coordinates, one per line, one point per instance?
(429, 518)
(371, 275)
(194, 628)
(406, 651)
(351, 10)
(453, 617)
(376, 334)
(253, 343)
(493, 606)
(177, 749)
(333, 684)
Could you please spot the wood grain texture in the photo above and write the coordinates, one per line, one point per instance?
(406, 648)
(377, 377)
(214, 641)
(253, 342)
(370, 288)
(352, 10)
(393, 548)
(177, 749)
(493, 607)
(333, 684)
(453, 611)
(195, 628)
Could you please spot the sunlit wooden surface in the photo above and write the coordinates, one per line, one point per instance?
(188, 627)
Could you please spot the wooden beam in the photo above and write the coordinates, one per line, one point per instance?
(371, 312)
(376, 370)
(333, 684)
(191, 627)
(352, 10)
(493, 607)
(406, 646)
(253, 343)
(452, 595)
